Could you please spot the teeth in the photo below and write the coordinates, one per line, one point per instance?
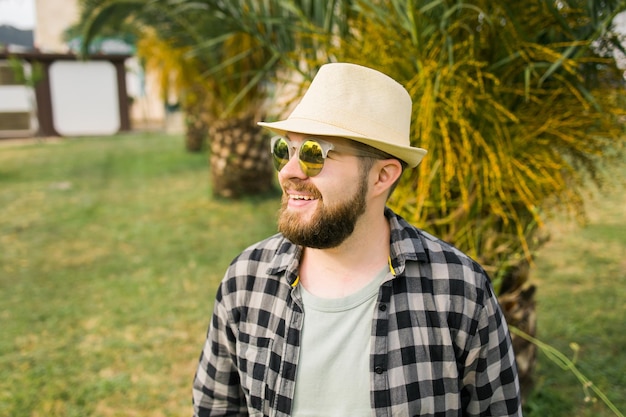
(301, 197)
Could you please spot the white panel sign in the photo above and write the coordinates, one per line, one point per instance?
(84, 98)
(15, 98)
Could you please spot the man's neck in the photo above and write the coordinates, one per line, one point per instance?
(340, 271)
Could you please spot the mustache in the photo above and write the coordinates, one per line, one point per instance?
(299, 186)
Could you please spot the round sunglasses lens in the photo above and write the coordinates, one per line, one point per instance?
(311, 158)
(280, 154)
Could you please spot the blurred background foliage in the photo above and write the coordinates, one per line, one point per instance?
(513, 102)
(520, 104)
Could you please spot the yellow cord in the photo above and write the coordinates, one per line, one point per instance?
(393, 271)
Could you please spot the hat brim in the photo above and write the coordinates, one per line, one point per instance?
(412, 156)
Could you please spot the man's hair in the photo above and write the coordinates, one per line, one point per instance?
(369, 155)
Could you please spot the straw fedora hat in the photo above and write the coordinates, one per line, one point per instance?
(357, 103)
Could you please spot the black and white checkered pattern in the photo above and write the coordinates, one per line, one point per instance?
(440, 345)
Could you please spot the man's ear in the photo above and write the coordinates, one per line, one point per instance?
(386, 172)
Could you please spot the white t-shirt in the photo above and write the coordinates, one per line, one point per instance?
(333, 377)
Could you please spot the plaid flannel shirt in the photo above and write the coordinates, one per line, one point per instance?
(439, 342)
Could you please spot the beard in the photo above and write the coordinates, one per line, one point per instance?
(329, 226)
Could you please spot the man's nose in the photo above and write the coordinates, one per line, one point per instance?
(292, 168)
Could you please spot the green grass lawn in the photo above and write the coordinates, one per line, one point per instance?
(111, 250)
(581, 279)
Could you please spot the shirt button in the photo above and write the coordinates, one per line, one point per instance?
(382, 307)
(379, 370)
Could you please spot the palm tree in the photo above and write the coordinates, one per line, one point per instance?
(515, 107)
(176, 73)
(251, 44)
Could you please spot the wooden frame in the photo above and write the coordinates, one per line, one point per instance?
(42, 88)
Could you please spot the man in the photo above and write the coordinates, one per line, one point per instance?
(349, 310)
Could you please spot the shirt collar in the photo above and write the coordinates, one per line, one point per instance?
(406, 243)
(286, 260)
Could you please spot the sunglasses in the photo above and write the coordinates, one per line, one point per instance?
(311, 154)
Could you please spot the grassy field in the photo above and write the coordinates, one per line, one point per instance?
(111, 249)
(581, 279)
(111, 252)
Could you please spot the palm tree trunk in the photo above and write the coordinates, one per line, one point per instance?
(240, 158)
(517, 299)
(195, 130)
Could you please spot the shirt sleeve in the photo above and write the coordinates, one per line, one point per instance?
(491, 385)
(216, 387)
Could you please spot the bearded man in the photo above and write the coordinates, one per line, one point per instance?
(349, 310)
